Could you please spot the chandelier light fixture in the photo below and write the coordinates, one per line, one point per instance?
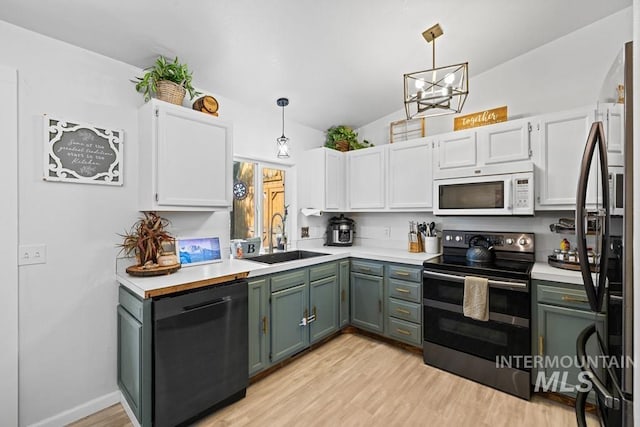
(283, 141)
(438, 91)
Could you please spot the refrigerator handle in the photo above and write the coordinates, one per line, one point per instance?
(610, 401)
(595, 291)
(581, 412)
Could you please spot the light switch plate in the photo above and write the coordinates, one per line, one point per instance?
(32, 254)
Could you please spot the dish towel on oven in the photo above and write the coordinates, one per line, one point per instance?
(476, 298)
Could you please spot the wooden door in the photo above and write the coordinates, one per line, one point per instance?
(273, 203)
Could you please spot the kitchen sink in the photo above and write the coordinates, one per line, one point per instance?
(278, 257)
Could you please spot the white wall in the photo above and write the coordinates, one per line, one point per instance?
(8, 252)
(67, 316)
(563, 74)
(636, 207)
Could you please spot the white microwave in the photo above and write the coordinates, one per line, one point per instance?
(500, 194)
(616, 190)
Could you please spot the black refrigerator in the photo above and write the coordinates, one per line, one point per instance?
(610, 290)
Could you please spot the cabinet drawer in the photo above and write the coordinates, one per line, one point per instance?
(404, 310)
(318, 272)
(574, 298)
(287, 280)
(405, 273)
(405, 331)
(372, 268)
(131, 303)
(401, 289)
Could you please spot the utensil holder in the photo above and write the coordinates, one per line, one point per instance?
(432, 244)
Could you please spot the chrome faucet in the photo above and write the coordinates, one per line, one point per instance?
(283, 219)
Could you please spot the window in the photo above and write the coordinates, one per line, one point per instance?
(253, 216)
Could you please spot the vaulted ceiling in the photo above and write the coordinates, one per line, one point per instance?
(337, 61)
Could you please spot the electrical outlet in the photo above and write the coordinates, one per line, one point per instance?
(304, 232)
(32, 254)
(386, 231)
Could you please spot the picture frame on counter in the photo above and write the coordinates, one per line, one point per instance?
(82, 153)
(198, 250)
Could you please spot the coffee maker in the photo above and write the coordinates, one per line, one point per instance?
(340, 231)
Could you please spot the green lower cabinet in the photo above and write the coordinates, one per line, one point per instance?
(129, 359)
(404, 303)
(343, 277)
(366, 301)
(258, 325)
(324, 302)
(288, 333)
(557, 332)
(134, 370)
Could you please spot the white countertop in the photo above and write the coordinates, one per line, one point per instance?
(543, 271)
(229, 267)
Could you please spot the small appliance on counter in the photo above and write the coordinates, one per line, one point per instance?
(340, 231)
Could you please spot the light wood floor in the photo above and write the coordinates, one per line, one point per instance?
(357, 381)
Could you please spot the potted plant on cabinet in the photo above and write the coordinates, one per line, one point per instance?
(149, 241)
(169, 81)
(344, 138)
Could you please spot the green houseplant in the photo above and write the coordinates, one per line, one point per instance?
(344, 138)
(169, 81)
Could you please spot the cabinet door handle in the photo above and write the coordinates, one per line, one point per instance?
(343, 296)
(540, 345)
(568, 298)
(313, 316)
(305, 318)
(403, 311)
(264, 325)
(403, 291)
(403, 331)
(402, 273)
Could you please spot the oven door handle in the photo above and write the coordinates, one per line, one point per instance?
(492, 283)
(494, 317)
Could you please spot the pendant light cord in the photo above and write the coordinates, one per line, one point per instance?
(283, 121)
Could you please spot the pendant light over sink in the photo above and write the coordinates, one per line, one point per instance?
(438, 91)
(282, 141)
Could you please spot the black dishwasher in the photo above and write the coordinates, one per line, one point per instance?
(200, 351)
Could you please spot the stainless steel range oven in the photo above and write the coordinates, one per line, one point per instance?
(490, 352)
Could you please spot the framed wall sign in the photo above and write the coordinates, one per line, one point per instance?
(82, 153)
(198, 250)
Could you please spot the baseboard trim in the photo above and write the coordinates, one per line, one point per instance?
(128, 411)
(80, 411)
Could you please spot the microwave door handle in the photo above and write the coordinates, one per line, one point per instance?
(510, 197)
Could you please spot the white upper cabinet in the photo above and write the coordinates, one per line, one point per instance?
(457, 149)
(505, 142)
(321, 180)
(612, 117)
(410, 174)
(366, 178)
(559, 145)
(185, 159)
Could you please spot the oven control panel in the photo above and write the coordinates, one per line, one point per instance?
(501, 241)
